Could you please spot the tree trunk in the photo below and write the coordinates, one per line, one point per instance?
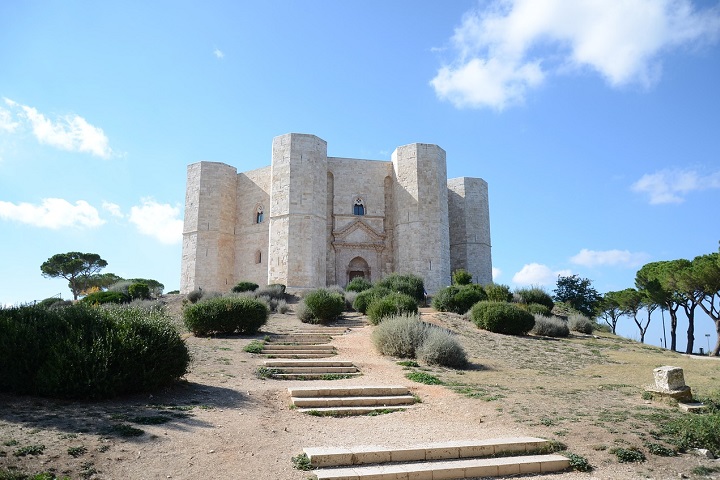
(673, 330)
(716, 351)
(690, 334)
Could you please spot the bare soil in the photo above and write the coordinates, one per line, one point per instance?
(222, 421)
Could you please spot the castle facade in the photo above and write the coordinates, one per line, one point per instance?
(309, 220)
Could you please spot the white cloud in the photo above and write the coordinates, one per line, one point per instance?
(113, 209)
(496, 272)
(671, 186)
(510, 46)
(538, 274)
(218, 53)
(70, 132)
(623, 258)
(52, 213)
(158, 220)
(6, 121)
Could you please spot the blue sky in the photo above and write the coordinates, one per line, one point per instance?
(596, 124)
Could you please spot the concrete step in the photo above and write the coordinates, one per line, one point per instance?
(307, 363)
(299, 355)
(331, 457)
(300, 338)
(356, 391)
(450, 469)
(314, 376)
(348, 411)
(365, 401)
(295, 351)
(285, 346)
(297, 370)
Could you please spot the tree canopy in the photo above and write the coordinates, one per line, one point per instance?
(578, 293)
(75, 267)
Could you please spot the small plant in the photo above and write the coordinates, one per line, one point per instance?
(498, 293)
(391, 305)
(76, 451)
(11, 443)
(265, 372)
(139, 291)
(440, 347)
(458, 298)
(322, 306)
(245, 287)
(302, 462)
(628, 455)
(535, 295)
(255, 346)
(29, 450)
(702, 470)
(461, 277)
(400, 336)
(660, 450)
(550, 326)
(366, 297)
(358, 284)
(581, 323)
(537, 309)
(502, 317)
(422, 377)
(408, 284)
(578, 462)
(282, 307)
(408, 363)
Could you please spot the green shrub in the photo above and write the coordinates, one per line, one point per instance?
(224, 315)
(358, 284)
(502, 317)
(390, 305)
(173, 292)
(695, 431)
(498, 293)
(350, 299)
(49, 302)
(139, 291)
(323, 305)
(86, 352)
(195, 295)
(282, 307)
(440, 347)
(537, 309)
(535, 295)
(550, 326)
(278, 286)
(245, 287)
(580, 323)
(408, 284)
(458, 299)
(302, 312)
(400, 336)
(628, 455)
(98, 298)
(461, 277)
(422, 377)
(366, 297)
(273, 292)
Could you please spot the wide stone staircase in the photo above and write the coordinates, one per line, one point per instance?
(448, 460)
(356, 400)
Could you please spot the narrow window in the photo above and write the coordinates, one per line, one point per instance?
(359, 207)
(258, 257)
(259, 214)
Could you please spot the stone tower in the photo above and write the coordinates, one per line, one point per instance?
(420, 197)
(468, 210)
(208, 251)
(298, 211)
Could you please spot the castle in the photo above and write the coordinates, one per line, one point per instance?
(309, 220)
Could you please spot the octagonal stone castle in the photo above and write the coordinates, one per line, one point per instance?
(309, 220)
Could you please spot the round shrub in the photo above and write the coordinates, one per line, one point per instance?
(537, 309)
(461, 277)
(358, 284)
(245, 287)
(85, 352)
(389, 305)
(408, 284)
(498, 293)
(502, 317)
(400, 336)
(580, 323)
(458, 299)
(139, 291)
(535, 295)
(48, 302)
(278, 286)
(440, 347)
(98, 298)
(274, 292)
(195, 295)
(366, 297)
(225, 315)
(350, 299)
(323, 305)
(550, 326)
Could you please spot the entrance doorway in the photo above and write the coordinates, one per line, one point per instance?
(358, 267)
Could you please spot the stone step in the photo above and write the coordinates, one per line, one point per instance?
(331, 457)
(308, 363)
(299, 355)
(364, 401)
(313, 376)
(348, 411)
(299, 338)
(325, 353)
(356, 391)
(297, 370)
(449, 469)
(272, 346)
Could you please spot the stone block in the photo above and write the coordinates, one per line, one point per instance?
(669, 378)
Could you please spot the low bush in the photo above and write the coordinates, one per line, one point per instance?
(358, 284)
(498, 293)
(99, 298)
(550, 326)
(391, 305)
(195, 295)
(535, 295)
(408, 284)
(86, 352)
(336, 289)
(226, 315)
(695, 431)
(502, 317)
(537, 309)
(461, 277)
(302, 312)
(49, 302)
(278, 286)
(245, 287)
(274, 292)
(366, 297)
(580, 323)
(458, 299)
(440, 347)
(628, 455)
(139, 291)
(350, 297)
(400, 336)
(323, 306)
(282, 307)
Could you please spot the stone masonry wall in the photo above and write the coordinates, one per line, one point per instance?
(252, 238)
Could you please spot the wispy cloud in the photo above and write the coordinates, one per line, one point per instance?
(671, 186)
(69, 132)
(53, 213)
(158, 220)
(511, 46)
(538, 274)
(496, 272)
(113, 209)
(218, 53)
(612, 258)
(6, 121)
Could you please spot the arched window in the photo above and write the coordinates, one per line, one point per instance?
(259, 215)
(359, 207)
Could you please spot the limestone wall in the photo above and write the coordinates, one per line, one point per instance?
(421, 232)
(208, 256)
(251, 237)
(469, 219)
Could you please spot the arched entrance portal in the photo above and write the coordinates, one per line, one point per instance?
(358, 267)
